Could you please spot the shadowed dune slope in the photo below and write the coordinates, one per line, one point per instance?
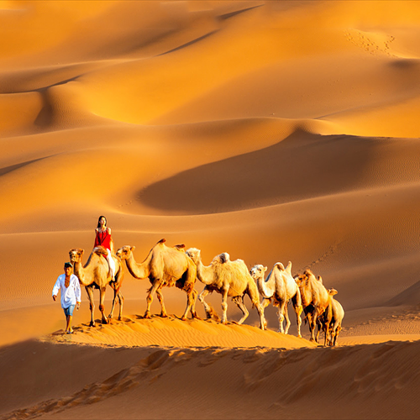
(240, 380)
(285, 172)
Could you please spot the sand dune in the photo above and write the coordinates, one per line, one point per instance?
(271, 130)
(267, 380)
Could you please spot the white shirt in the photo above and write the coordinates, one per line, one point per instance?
(69, 295)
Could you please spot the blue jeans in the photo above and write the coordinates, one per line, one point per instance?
(69, 311)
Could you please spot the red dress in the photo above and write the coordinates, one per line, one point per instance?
(103, 239)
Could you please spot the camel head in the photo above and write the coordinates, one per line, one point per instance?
(301, 279)
(258, 271)
(125, 252)
(194, 254)
(332, 292)
(76, 255)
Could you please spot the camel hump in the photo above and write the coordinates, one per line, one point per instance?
(162, 241)
(100, 250)
(180, 246)
(279, 265)
(289, 267)
(224, 257)
(221, 258)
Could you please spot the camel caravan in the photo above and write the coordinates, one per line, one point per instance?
(174, 266)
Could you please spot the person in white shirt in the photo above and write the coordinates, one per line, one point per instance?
(69, 285)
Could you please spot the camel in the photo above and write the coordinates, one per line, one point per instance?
(96, 274)
(229, 278)
(279, 288)
(164, 266)
(315, 300)
(337, 315)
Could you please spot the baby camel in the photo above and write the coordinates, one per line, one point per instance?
(229, 278)
(279, 288)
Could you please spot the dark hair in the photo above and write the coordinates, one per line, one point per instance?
(99, 220)
(67, 264)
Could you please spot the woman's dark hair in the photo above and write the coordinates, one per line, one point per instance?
(99, 221)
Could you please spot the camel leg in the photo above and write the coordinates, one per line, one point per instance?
(280, 315)
(310, 317)
(194, 294)
(337, 331)
(89, 292)
(297, 305)
(326, 338)
(286, 315)
(111, 314)
(241, 305)
(159, 295)
(312, 327)
(320, 326)
(209, 310)
(149, 298)
(224, 306)
(255, 299)
(101, 304)
(121, 302)
(190, 302)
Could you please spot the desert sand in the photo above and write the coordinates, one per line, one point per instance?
(271, 130)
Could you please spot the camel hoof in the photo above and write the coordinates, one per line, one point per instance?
(184, 318)
(92, 324)
(147, 315)
(197, 317)
(164, 315)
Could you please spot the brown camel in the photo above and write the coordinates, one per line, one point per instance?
(337, 315)
(95, 274)
(229, 278)
(315, 300)
(164, 266)
(279, 288)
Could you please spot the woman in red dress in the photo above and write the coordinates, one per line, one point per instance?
(103, 238)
